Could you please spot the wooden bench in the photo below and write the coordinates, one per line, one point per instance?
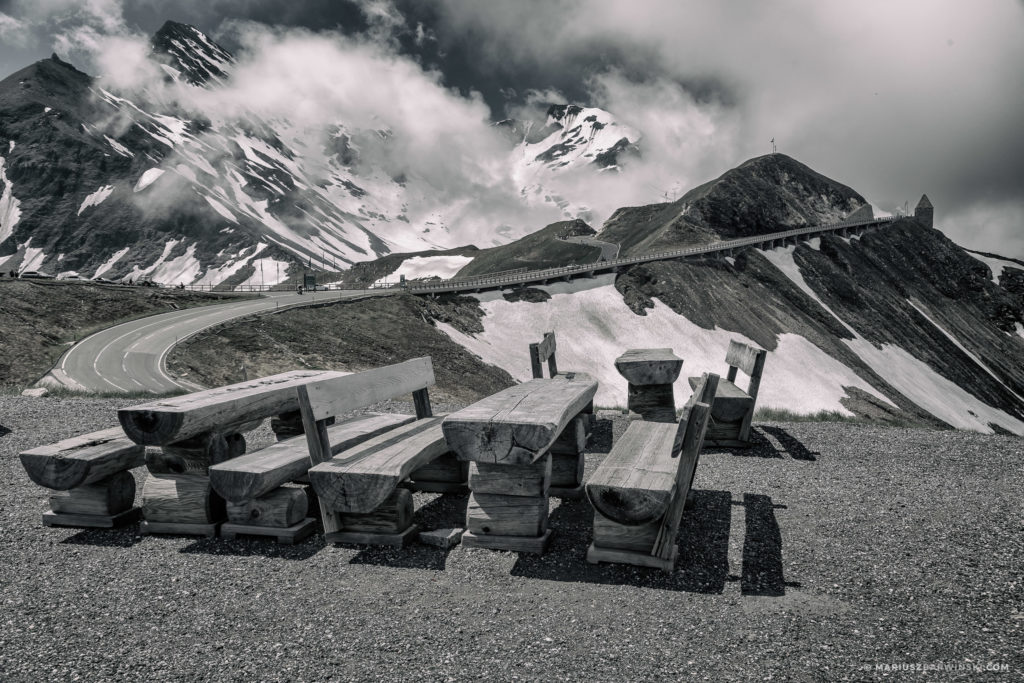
(733, 408)
(567, 453)
(89, 479)
(508, 439)
(200, 430)
(358, 488)
(639, 491)
(256, 485)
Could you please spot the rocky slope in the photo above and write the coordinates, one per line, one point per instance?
(765, 194)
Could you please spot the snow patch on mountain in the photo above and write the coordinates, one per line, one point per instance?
(913, 378)
(149, 177)
(591, 319)
(1020, 329)
(96, 198)
(118, 147)
(942, 398)
(268, 271)
(33, 259)
(956, 342)
(996, 265)
(10, 207)
(109, 263)
(428, 266)
(220, 208)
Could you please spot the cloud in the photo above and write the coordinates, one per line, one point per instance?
(894, 99)
(13, 31)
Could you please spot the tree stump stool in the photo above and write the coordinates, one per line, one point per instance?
(650, 373)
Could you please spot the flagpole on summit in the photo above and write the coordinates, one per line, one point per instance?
(773, 146)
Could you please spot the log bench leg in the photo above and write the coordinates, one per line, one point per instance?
(446, 474)
(568, 460)
(621, 544)
(104, 504)
(390, 524)
(652, 402)
(280, 514)
(508, 506)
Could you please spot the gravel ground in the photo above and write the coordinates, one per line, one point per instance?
(828, 552)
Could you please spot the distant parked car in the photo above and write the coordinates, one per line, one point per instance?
(36, 275)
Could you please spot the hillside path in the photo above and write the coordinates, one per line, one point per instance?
(130, 357)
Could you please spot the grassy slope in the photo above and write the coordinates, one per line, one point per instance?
(538, 250)
(353, 335)
(39, 319)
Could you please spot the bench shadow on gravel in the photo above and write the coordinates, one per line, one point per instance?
(763, 448)
(439, 512)
(256, 546)
(793, 446)
(4, 431)
(124, 537)
(703, 565)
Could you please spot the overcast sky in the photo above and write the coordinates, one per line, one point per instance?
(894, 98)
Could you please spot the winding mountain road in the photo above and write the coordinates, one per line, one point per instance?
(130, 357)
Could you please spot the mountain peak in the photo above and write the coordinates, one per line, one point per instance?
(188, 54)
(762, 195)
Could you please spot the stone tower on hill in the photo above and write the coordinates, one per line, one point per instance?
(924, 212)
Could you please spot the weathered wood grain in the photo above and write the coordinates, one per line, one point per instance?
(393, 516)
(634, 483)
(515, 544)
(731, 403)
(126, 517)
(596, 554)
(282, 507)
(286, 535)
(82, 460)
(338, 395)
(609, 534)
(489, 514)
(530, 480)
(566, 470)
(573, 439)
(543, 351)
(652, 402)
(517, 425)
(175, 419)
(359, 479)
(692, 441)
(642, 367)
(743, 357)
(110, 496)
(446, 468)
(181, 499)
(195, 455)
(255, 474)
(371, 538)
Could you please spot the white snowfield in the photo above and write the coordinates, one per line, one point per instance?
(911, 377)
(593, 326)
(148, 178)
(428, 266)
(996, 265)
(10, 207)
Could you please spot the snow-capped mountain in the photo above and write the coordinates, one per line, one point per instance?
(100, 183)
(572, 139)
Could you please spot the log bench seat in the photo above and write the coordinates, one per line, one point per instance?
(89, 478)
(639, 490)
(733, 408)
(257, 473)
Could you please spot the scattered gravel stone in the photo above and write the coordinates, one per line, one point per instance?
(828, 552)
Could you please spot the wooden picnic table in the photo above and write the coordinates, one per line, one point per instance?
(517, 425)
